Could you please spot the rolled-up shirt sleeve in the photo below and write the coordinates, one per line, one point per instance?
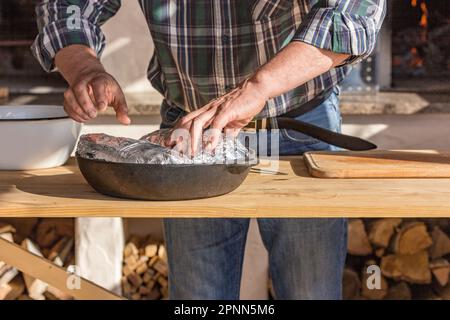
(65, 22)
(343, 26)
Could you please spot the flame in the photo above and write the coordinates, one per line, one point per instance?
(423, 23)
(424, 19)
(423, 7)
(416, 60)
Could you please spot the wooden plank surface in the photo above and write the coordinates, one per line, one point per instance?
(288, 191)
(379, 164)
(42, 269)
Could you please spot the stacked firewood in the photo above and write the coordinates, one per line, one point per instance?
(412, 255)
(49, 238)
(144, 269)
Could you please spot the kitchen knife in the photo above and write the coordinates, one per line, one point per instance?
(328, 136)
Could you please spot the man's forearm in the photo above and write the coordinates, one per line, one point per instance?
(295, 65)
(75, 60)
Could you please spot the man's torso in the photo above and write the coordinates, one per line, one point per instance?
(204, 48)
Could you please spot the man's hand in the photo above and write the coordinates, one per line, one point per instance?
(92, 92)
(91, 88)
(229, 113)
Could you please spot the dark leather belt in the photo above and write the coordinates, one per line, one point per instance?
(258, 124)
(288, 121)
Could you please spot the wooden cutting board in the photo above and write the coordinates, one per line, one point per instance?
(379, 164)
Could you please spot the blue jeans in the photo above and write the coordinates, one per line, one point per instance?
(306, 256)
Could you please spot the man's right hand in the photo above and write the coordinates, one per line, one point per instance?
(91, 88)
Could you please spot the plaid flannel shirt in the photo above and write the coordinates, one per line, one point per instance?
(204, 48)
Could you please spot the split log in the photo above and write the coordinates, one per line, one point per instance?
(152, 261)
(411, 238)
(443, 292)
(165, 292)
(49, 296)
(57, 294)
(59, 254)
(126, 287)
(399, 291)
(147, 277)
(443, 224)
(381, 231)
(130, 250)
(358, 241)
(380, 252)
(135, 239)
(8, 274)
(151, 250)
(151, 284)
(61, 251)
(144, 291)
(131, 261)
(156, 276)
(141, 265)
(162, 254)
(3, 269)
(7, 236)
(135, 279)
(23, 227)
(161, 267)
(351, 284)
(50, 230)
(141, 268)
(35, 287)
(441, 271)
(413, 268)
(13, 289)
(6, 228)
(126, 270)
(151, 272)
(369, 292)
(441, 243)
(136, 296)
(155, 294)
(162, 281)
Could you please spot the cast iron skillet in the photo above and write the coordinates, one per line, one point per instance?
(192, 181)
(161, 181)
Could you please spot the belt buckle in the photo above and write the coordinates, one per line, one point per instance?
(251, 126)
(256, 124)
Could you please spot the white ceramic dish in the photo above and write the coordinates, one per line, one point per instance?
(35, 137)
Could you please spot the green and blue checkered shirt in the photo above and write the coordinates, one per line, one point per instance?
(204, 48)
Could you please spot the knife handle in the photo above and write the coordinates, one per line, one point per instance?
(325, 135)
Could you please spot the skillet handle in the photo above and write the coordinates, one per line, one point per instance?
(328, 136)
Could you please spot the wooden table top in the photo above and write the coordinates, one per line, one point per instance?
(287, 192)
